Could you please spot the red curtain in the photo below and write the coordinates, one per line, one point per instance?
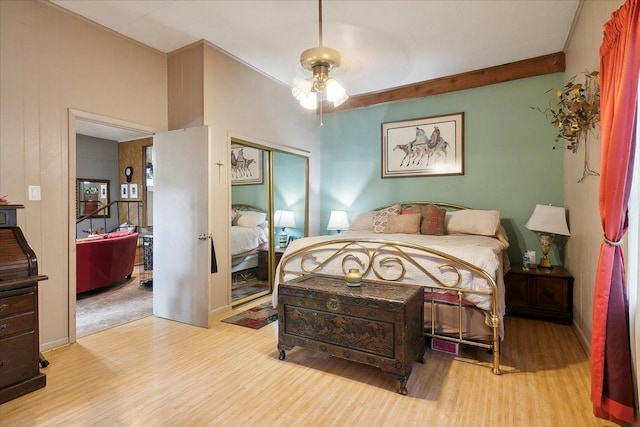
(611, 381)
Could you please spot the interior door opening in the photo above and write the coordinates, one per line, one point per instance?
(93, 146)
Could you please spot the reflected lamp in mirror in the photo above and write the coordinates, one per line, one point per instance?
(338, 221)
(284, 219)
(548, 221)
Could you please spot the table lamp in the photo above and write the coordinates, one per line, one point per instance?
(547, 221)
(338, 221)
(284, 219)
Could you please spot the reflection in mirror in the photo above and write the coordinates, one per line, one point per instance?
(91, 195)
(266, 180)
(249, 232)
(289, 197)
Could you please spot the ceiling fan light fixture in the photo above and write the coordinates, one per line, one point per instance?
(335, 91)
(305, 94)
(320, 60)
(310, 101)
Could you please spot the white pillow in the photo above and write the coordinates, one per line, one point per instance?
(472, 221)
(250, 218)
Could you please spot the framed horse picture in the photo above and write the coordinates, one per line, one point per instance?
(430, 146)
(246, 165)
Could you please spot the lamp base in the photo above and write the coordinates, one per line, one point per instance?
(283, 240)
(545, 262)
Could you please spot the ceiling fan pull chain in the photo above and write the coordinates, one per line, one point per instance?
(321, 124)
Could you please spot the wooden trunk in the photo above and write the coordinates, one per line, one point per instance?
(377, 323)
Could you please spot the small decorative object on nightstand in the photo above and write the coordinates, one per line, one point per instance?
(542, 293)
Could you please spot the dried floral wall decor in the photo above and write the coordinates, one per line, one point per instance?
(575, 111)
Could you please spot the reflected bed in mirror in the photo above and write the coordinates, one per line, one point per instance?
(249, 237)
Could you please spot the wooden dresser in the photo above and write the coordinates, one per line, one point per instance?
(19, 340)
(377, 323)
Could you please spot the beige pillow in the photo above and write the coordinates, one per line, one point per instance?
(380, 218)
(362, 222)
(432, 219)
(406, 224)
(472, 221)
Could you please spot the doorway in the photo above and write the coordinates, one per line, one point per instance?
(85, 130)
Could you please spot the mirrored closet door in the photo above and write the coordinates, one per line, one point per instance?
(269, 208)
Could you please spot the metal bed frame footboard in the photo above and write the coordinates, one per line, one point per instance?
(370, 255)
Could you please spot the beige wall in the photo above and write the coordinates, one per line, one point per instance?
(243, 103)
(581, 199)
(237, 101)
(50, 62)
(186, 79)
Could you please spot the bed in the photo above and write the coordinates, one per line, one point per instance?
(249, 234)
(457, 254)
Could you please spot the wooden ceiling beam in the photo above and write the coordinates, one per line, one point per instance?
(540, 65)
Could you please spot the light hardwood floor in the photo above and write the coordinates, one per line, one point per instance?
(155, 372)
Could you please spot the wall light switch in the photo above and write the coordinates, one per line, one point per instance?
(34, 192)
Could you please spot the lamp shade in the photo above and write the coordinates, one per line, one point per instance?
(548, 219)
(284, 219)
(338, 221)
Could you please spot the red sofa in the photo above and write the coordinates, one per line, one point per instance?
(104, 259)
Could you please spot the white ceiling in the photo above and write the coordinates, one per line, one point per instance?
(384, 44)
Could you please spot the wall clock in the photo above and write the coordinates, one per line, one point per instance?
(128, 172)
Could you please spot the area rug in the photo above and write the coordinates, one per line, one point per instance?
(246, 291)
(255, 317)
(114, 305)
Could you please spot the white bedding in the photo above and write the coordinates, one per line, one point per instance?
(481, 251)
(244, 239)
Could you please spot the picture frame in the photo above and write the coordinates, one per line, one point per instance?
(91, 195)
(429, 146)
(124, 191)
(133, 191)
(246, 165)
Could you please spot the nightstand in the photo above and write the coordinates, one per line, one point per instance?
(263, 262)
(542, 293)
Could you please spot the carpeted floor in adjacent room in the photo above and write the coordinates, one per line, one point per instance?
(115, 305)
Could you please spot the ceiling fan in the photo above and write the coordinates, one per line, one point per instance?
(320, 60)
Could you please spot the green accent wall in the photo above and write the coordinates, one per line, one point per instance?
(509, 161)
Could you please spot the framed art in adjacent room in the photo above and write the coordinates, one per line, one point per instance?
(133, 191)
(246, 165)
(430, 146)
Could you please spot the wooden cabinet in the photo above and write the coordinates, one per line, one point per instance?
(543, 293)
(19, 354)
(263, 262)
(19, 342)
